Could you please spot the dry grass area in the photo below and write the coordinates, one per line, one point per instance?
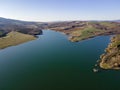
(111, 58)
(85, 33)
(14, 38)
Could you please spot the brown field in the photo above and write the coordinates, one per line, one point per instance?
(14, 38)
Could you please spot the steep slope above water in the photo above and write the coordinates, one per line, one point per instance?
(111, 58)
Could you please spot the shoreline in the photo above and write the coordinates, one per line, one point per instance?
(15, 38)
(111, 58)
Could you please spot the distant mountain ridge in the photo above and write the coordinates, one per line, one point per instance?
(8, 25)
(6, 20)
(68, 27)
(117, 20)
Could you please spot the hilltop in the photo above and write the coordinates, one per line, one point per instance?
(14, 32)
(8, 25)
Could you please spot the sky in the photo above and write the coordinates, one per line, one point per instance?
(60, 10)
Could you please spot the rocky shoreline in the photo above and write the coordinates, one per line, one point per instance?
(111, 58)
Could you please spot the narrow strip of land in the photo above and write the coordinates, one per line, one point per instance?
(111, 58)
(14, 38)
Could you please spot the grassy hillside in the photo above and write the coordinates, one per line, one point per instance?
(111, 58)
(14, 38)
(85, 33)
(80, 30)
(8, 25)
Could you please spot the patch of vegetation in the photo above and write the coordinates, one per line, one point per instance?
(111, 58)
(85, 33)
(115, 41)
(105, 66)
(108, 24)
(14, 38)
(2, 33)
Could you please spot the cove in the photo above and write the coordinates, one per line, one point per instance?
(53, 63)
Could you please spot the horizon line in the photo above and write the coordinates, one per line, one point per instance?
(62, 20)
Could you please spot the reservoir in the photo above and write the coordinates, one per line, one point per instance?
(52, 62)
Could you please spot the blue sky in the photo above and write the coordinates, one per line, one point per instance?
(59, 10)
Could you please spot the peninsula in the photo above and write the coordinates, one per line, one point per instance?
(14, 38)
(81, 30)
(111, 58)
(14, 32)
